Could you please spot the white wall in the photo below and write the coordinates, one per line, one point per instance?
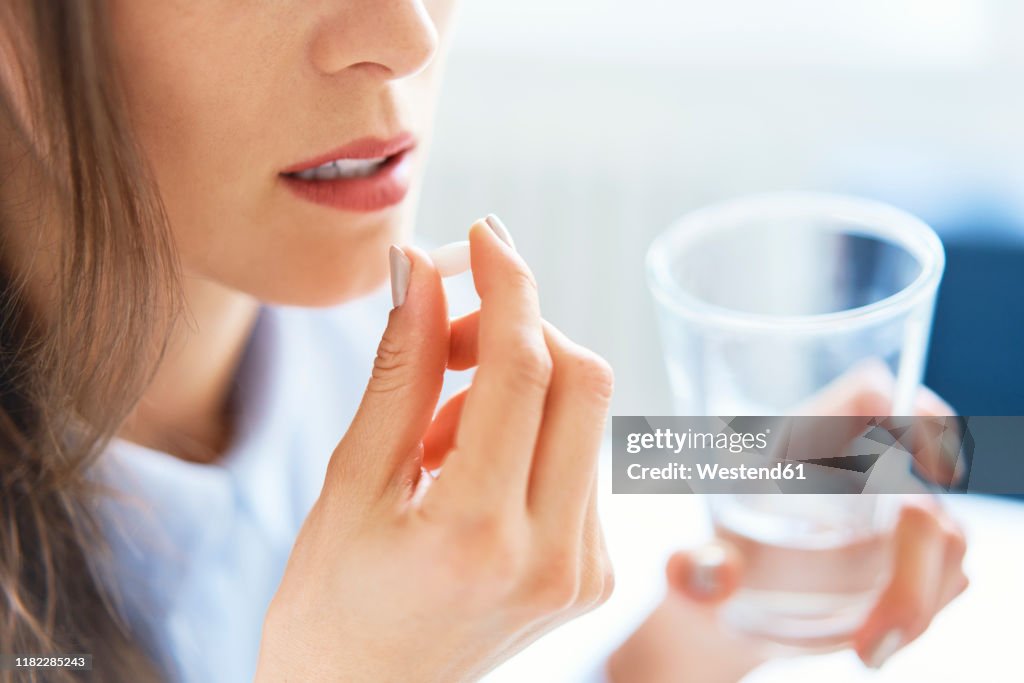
(590, 125)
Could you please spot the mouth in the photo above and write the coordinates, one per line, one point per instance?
(368, 174)
(342, 168)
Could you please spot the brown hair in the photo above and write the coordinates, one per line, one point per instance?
(74, 361)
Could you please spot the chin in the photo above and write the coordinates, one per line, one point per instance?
(329, 261)
(327, 277)
(345, 291)
(318, 289)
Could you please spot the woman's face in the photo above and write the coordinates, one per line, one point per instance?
(236, 102)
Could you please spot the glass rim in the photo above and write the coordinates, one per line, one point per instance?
(876, 219)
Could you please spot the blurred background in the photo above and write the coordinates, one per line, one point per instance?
(590, 125)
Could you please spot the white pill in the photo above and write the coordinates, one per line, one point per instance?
(451, 259)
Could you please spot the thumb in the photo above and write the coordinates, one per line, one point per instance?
(708, 574)
(381, 448)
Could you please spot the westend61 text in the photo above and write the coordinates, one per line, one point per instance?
(708, 472)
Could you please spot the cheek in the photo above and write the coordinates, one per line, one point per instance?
(201, 108)
(220, 102)
(193, 94)
(202, 91)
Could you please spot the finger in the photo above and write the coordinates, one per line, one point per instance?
(866, 391)
(911, 597)
(848, 405)
(708, 574)
(462, 353)
(863, 391)
(381, 447)
(440, 437)
(570, 439)
(596, 576)
(957, 584)
(954, 581)
(503, 409)
(936, 439)
(928, 403)
(598, 580)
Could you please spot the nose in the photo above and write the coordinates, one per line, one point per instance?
(394, 37)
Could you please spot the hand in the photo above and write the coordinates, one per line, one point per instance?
(395, 577)
(683, 639)
(865, 393)
(928, 546)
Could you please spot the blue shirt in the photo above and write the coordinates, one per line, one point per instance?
(200, 548)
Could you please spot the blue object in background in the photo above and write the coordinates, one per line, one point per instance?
(976, 360)
(977, 351)
(976, 354)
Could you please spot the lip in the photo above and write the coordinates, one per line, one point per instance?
(387, 186)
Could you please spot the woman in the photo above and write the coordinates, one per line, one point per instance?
(183, 182)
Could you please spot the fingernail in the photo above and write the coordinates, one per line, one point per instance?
(886, 647)
(499, 229)
(401, 266)
(707, 563)
(451, 259)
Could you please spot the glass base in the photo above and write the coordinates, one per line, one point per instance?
(802, 623)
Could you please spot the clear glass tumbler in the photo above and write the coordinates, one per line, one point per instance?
(763, 303)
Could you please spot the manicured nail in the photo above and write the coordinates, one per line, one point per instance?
(401, 266)
(886, 647)
(707, 563)
(451, 259)
(499, 229)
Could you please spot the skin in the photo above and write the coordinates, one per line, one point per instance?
(504, 546)
(224, 94)
(684, 640)
(302, 78)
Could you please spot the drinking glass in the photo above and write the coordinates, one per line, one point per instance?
(763, 302)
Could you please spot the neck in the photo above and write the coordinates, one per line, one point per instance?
(186, 409)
